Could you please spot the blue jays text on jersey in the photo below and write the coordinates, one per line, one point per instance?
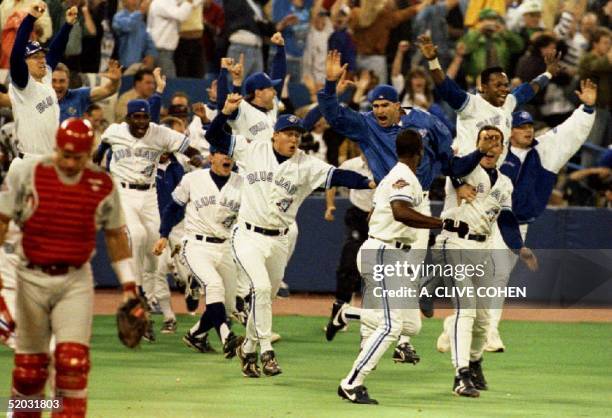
(212, 200)
(138, 152)
(269, 176)
(44, 104)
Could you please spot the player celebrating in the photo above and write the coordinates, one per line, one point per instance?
(466, 241)
(137, 145)
(33, 99)
(277, 178)
(212, 201)
(55, 282)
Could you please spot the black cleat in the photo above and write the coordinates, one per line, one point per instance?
(463, 385)
(336, 320)
(248, 363)
(231, 344)
(477, 375)
(405, 353)
(200, 344)
(359, 394)
(149, 334)
(426, 304)
(269, 364)
(169, 326)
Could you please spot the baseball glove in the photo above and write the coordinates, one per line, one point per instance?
(132, 320)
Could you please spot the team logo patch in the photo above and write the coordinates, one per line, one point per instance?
(284, 204)
(293, 119)
(400, 184)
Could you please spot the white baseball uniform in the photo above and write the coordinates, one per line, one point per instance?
(390, 242)
(37, 113)
(209, 216)
(271, 196)
(134, 166)
(468, 329)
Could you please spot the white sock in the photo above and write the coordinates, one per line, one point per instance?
(224, 331)
(249, 346)
(166, 309)
(404, 339)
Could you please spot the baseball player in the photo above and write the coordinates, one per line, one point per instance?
(210, 200)
(277, 179)
(465, 240)
(391, 235)
(532, 164)
(54, 277)
(137, 145)
(33, 99)
(375, 132)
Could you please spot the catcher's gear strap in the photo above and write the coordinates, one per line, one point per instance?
(30, 374)
(71, 369)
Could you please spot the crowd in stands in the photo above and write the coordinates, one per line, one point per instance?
(377, 39)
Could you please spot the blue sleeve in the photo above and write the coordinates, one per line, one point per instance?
(58, 46)
(126, 22)
(437, 111)
(99, 154)
(177, 173)
(155, 107)
(343, 120)
(509, 228)
(311, 118)
(172, 214)
(524, 93)
(462, 166)
(222, 91)
(279, 68)
(19, 68)
(606, 159)
(216, 135)
(350, 179)
(452, 94)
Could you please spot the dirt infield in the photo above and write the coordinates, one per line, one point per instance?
(106, 302)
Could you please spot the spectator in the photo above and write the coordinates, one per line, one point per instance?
(295, 34)
(489, 44)
(589, 24)
(475, 7)
(531, 12)
(213, 42)
(575, 41)
(136, 47)
(143, 88)
(85, 26)
(341, 40)
(9, 32)
(92, 43)
(597, 65)
(433, 19)
(95, 115)
(371, 39)
(74, 102)
(315, 51)
(9, 7)
(163, 25)
(189, 55)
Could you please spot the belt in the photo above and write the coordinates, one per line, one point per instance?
(213, 240)
(471, 237)
(268, 232)
(53, 269)
(396, 244)
(136, 186)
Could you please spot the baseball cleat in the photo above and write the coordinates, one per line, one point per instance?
(358, 394)
(169, 326)
(336, 320)
(463, 385)
(248, 363)
(494, 342)
(200, 344)
(154, 307)
(283, 290)
(478, 378)
(269, 364)
(231, 345)
(405, 353)
(426, 304)
(149, 334)
(275, 337)
(443, 343)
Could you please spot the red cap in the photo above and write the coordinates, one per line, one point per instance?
(75, 135)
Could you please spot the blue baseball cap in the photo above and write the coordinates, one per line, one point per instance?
(286, 122)
(383, 92)
(32, 47)
(258, 81)
(521, 118)
(138, 105)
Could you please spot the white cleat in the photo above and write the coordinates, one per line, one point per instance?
(275, 337)
(443, 343)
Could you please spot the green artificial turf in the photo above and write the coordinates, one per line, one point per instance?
(549, 370)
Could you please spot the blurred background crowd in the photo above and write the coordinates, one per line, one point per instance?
(188, 38)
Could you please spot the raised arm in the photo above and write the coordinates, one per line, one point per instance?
(19, 68)
(108, 89)
(216, 134)
(124, 22)
(59, 42)
(279, 63)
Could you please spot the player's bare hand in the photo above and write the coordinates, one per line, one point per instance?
(466, 192)
(277, 39)
(114, 71)
(487, 143)
(71, 15)
(160, 246)
(553, 63)
(231, 103)
(329, 214)
(199, 109)
(529, 258)
(428, 49)
(588, 92)
(237, 71)
(372, 184)
(344, 83)
(160, 80)
(37, 9)
(227, 62)
(333, 66)
(212, 91)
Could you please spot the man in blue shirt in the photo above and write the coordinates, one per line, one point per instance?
(74, 102)
(135, 43)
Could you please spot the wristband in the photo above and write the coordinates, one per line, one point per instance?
(434, 64)
(123, 270)
(548, 75)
